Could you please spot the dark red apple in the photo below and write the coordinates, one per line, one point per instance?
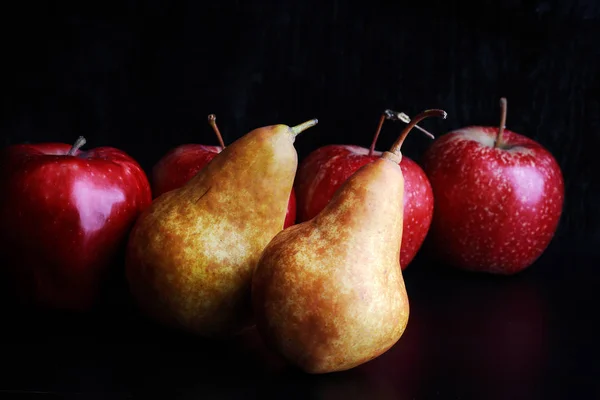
(324, 170)
(498, 198)
(180, 164)
(64, 214)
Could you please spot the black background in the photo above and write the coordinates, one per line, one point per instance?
(143, 76)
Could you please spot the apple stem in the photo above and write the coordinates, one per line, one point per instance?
(395, 116)
(212, 121)
(296, 130)
(76, 146)
(376, 136)
(425, 114)
(499, 142)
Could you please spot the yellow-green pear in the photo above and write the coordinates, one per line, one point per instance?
(192, 253)
(328, 294)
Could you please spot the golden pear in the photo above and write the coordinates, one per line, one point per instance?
(328, 294)
(191, 254)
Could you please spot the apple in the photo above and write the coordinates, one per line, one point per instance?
(498, 198)
(64, 216)
(180, 164)
(325, 169)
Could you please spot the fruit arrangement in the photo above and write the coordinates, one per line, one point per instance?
(211, 245)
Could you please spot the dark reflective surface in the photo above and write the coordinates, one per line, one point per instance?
(469, 336)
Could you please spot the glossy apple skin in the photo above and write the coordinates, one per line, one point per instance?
(496, 210)
(324, 170)
(180, 164)
(63, 220)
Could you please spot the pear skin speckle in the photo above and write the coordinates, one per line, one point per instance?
(192, 253)
(328, 293)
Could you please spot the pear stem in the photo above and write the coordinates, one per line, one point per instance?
(394, 116)
(76, 146)
(212, 121)
(406, 119)
(296, 130)
(425, 114)
(499, 142)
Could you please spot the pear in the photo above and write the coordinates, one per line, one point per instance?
(328, 294)
(191, 254)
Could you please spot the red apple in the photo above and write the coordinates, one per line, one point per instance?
(324, 170)
(180, 164)
(64, 214)
(498, 198)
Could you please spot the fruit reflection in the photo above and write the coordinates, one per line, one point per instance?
(493, 337)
